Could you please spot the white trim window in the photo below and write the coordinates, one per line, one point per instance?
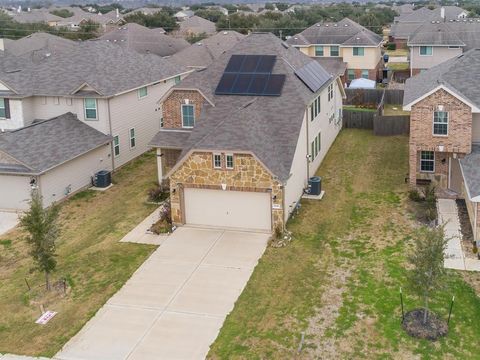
(358, 51)
(425, 51)
(334, 50)
(217, 161)
(142, 92)
(188, 115)
(330, 92)
(315, 108)
(133, 138)
(364, 74)
(440, 123)
(116, 146)
(427, 161)
(3, 108)
(229, 164)
(177, 79)
(316, 146)
(350, 74)
(90, 107)
(319, 51)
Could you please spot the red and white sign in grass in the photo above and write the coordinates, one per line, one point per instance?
(46, 317)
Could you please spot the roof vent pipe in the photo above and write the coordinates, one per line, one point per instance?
(442, 13)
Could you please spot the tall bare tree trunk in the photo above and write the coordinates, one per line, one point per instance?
(425, 311)
(47, 281)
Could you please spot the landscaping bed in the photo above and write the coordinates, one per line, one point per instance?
(466, 229)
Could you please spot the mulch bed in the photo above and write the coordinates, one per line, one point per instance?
(433, 329)
(465, 229)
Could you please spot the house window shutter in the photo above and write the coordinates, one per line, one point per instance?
(7, 108)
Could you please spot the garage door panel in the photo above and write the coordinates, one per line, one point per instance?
(230, 209)
(14, 192)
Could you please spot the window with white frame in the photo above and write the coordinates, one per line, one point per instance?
(90, 106)
(351, 74)
(426, 50)
(315, 108)
(315, 146)
(217, 161)
(3, 109)
(440, 123)
(427, 161)
(133, 139)
(318, 50)
(142, 92)
(229, 161)
(365, 74)
(330, 92)
(358, 51)
(177, 79)
(188, 115)
(334, 51)
(116, 146)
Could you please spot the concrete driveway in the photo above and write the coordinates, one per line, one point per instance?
(174, 305)
(8, 220)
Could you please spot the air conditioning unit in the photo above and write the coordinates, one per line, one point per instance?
(102, 179)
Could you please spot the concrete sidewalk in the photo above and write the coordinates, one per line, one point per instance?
(454, 256)
(174, 305)
(140, 234)
(8, 220)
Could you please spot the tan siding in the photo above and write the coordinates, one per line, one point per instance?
(439, 55)
(15, 192)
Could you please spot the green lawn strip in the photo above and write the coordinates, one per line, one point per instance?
(355, 108)
(398, 66)
(90, 257)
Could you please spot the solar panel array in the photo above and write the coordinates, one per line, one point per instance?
(313, 75)
(250, 75)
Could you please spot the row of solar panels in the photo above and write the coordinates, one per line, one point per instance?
(255, 64)
(250, 84)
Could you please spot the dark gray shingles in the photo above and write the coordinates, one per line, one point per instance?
(470, 165)
(170, 139)
(334, 65)
(459, 74)
(108, 68)
(435, 34)
(49, 143)
(197, 25)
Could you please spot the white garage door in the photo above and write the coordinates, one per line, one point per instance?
(230, 209)
(14, 192)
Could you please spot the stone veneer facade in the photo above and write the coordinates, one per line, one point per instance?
(172, 107)
(248, 175)
(458, 141)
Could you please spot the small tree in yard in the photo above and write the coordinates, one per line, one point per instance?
(427, 259)
(43, 231)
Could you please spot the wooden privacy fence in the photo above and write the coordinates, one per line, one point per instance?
(391, 125)
(373, 96)
(358, 119)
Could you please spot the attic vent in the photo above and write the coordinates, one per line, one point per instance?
(225, 33)
(199, 44)
(345, 25)
(318, 25)
(335, 25)
(326, 25)
(358, 38)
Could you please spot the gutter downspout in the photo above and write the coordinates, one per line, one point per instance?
(307, 144)
(475, 224)
(112, 155)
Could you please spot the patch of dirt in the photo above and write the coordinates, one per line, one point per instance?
(433, 329)
(465, 229)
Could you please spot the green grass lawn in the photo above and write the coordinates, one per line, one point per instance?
(398, 66)
(90, 257)
(392, 110)
(356, 108)
(339, 279)
(397, 52)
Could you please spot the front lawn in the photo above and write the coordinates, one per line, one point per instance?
(338, 281)
(90, 257)
(394, 110)
(398, 66)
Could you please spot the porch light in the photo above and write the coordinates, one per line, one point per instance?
(224, 187)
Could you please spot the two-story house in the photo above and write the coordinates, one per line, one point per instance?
(444, 105)
(345, 41)
(111, 89)
(241, 138)
(438, 41)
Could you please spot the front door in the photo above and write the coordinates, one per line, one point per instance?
(455, 176)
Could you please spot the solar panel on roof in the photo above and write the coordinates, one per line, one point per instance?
(242, 83)
(235, 63)
(313, 75)
(266, 64)
(226, 83)
(274, 85)
(250, 64)
(258, 84)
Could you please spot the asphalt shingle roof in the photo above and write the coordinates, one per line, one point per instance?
(49, 143)
(197, 25)
(144, 40)
(39, 41)
(459, 74)
(470, 165)
(106, 67)
(204, 52)
(465, 33)
(170, 139)
(344, 32)
(264, 125)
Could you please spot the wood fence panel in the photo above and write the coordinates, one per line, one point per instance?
(391, 125)
(373, 96)
(358, 119)
(394, 96)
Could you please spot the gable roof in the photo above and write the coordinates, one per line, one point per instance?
(204, 52)
(38, 41)
(458, 75)
(34, 16)
(49, 143)
(197, 25)
(470, 166)
(266, 126)
(345, 32)
(108, 68)
(144, 40)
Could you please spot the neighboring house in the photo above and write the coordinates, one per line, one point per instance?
(347, 41)
(403, 9)
(112, 89)
(444, 105)
(36, 16)
(218, 8)
(144, 40)
(435, 42)
(39, 41)
(196, 25)
(241, 138)
(144, 11)
(58, 157)
(183, 15)
(204, 52)
(406, 24)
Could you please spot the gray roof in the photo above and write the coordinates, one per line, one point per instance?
(34, 16)
(334, 65)
(470, 165)
(204, 52)
(49, 143)
(144, 40)
(197, 25)
(39, 41)
(345, 32)
(425, 14)
(107, 68)
(459, 74)
(170, 138)
(267, 126)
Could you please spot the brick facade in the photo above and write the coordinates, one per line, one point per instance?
(248, 175)
(373, 74)
(172, 107)
(458, 141)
